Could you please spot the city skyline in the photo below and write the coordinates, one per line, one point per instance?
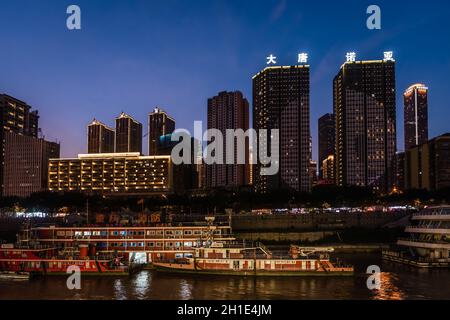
(68, 99)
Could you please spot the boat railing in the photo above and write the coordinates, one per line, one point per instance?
(433, 212)
(424, 241)
(407, 255)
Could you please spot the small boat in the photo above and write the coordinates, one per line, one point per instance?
(218, 258)
(15, 276)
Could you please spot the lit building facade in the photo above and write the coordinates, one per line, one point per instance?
(26, 164)
(228, 110)
(159, 124)
(101, 138)
(281, 100)
(327, 140)
(365, 115)
(428, 165)
(415, 115)
(328, 169)
(23, 156)
(128, 134)
(110, 174)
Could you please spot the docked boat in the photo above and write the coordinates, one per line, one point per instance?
(217, 258)
(428, 244)
(14, 276)
(28, 256)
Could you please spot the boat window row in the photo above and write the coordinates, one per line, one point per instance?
(124, 233)
(150, 244)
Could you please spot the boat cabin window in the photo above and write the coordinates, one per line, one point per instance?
(187, 232)
(78, 233)
(151, 233)
(151, 244)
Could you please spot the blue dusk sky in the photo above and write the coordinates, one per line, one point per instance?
(134, 55)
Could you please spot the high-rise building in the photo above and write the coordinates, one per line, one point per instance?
(364, 108)
(428, 165)
(281, 101)
(399, 171)
(313, 177)
(327, 139)
(16, 118)
(159, 124)
(100, 138)
(128, 134)
(416, 115)
(228, 110)
(328, 169)
(26, 164)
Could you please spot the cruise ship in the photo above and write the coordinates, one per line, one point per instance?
(428, 244)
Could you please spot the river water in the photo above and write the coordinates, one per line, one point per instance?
(398, 282)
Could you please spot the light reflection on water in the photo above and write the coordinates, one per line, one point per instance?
(398, 282)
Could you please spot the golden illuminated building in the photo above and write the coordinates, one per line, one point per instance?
(111, 173)
(328, 168)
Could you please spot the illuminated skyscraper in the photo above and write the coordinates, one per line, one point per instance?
(364, 107)
(23, 156)
(128, 134)
(416, 115)
(159, 124)
(281, 101)
(100, 138)
(326, 140)
(228, 110)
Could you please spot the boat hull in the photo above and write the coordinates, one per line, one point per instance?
(182, 269)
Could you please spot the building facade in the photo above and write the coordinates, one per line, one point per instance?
(365, 115)
(415, 115)
(428, 165)
(328, 169)
(101, 138)
(327, 138)
(111, 174)
(159, 124)
(281, 100)
(23, 156)
(26, 164)
(229, 110)
(128, 134)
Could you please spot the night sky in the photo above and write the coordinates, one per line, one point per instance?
(133, 55)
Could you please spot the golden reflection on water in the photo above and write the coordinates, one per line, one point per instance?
(185, 290)
(388, 290)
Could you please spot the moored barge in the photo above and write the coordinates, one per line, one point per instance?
(240, 260)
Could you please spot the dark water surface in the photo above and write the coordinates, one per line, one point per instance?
(398, 282)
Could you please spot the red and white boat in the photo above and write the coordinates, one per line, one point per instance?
(240, 260)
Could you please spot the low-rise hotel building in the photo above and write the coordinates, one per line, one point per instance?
(112, 174)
